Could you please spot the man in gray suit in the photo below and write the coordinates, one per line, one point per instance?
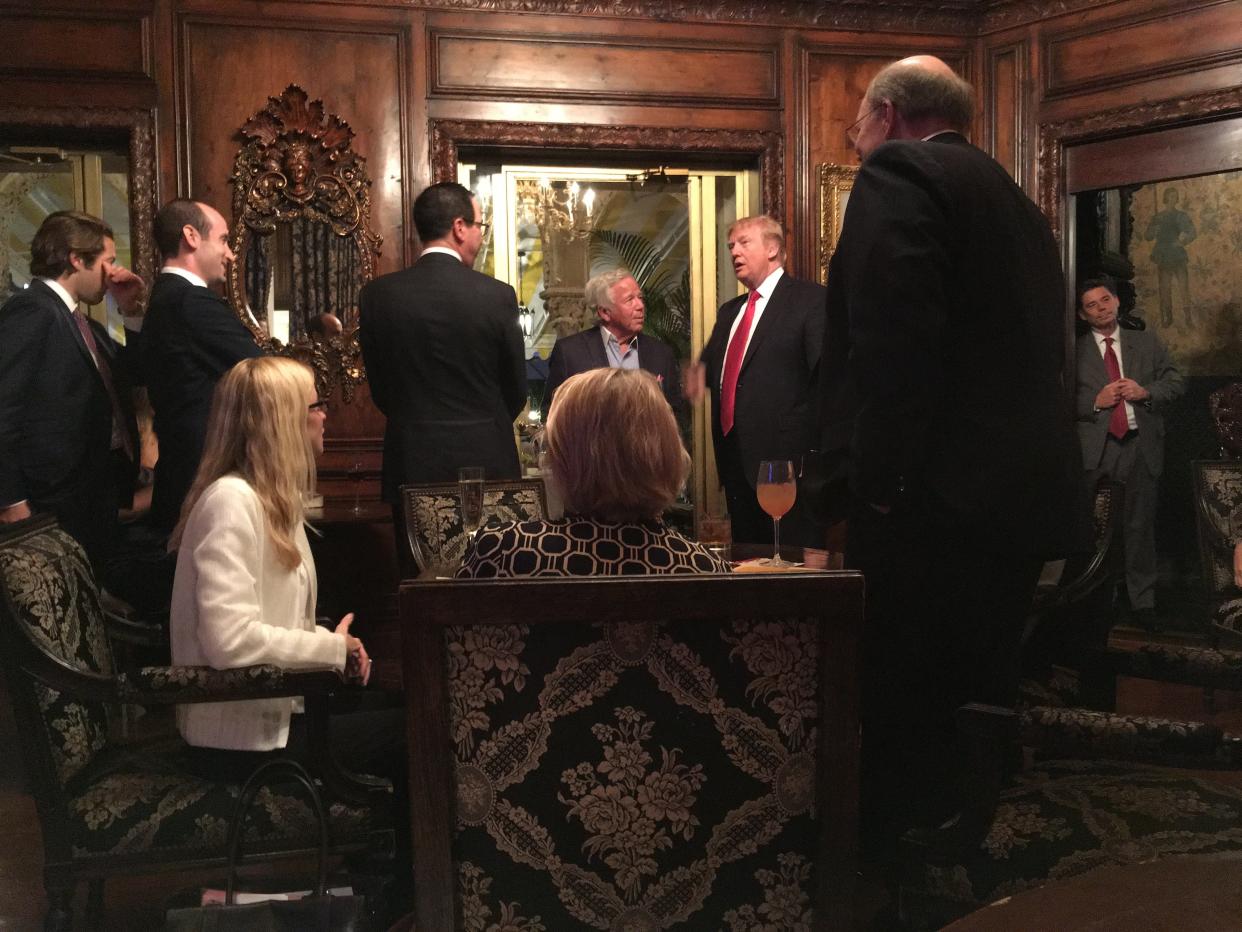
(1125, 378)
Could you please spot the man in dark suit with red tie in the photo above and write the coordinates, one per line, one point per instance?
(948, 413)
(191, 338)
(67, 437)
(761, 366)
(1126, 379)
(444, 352)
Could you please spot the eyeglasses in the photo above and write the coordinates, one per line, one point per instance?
(318, 406)
(852, 131)
(483, 225)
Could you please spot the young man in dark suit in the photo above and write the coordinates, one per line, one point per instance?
(761, 366)
(444, 353)
(947, 408)
(614, 341)
(1125, 379)
(191, 338)
(66, 427)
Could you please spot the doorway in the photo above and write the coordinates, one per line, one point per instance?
(553, 227)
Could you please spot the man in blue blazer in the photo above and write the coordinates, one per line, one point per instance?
(615, 341)
(763, 402)
(191, 338)
(1125, 380)
(444, 353)
(67, 433)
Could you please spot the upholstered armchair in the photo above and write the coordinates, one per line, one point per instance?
(107, 809)
(1101, 788)
(634, 753)
(433, 534)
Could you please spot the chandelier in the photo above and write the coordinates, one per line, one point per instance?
(555, 206)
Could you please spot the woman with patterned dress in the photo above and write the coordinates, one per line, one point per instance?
(618, 461)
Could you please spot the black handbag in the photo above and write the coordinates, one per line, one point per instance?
(318, 912)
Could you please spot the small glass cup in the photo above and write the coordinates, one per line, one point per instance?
(470, 484)
(715, 533)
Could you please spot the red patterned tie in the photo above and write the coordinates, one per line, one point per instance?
(733, 365)
(105, 373)
(1118, 423)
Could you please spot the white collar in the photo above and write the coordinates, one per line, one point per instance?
(444, 249)
(188, 276)
(65, 296)
(768, 285)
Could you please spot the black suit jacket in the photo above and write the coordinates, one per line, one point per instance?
(446, 365)
(943, 360)
(56, 416)
(774, 408)
(584, 351)
(191, 337)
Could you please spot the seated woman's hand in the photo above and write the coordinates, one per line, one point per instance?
(357, 663)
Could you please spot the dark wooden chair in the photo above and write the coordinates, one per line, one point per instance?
(433, 534)
(107, 809)
(642, 752)
(1101, 788)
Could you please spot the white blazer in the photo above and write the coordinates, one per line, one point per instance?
(234, 605)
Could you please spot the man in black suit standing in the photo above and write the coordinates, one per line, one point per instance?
(1125, 381)
(191, 338)
(444, 353)
(614, 342)
(67, 434)
(946, 407)
(761, 365)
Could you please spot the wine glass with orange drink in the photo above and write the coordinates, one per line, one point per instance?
(777, 488)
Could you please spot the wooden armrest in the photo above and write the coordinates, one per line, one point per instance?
(166, 685)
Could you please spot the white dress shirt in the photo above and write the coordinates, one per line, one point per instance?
(1115, 336)
(765, 289)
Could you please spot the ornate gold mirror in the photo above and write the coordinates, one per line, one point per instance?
(302, 237)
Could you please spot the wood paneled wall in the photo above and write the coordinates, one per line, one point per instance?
(391, 67)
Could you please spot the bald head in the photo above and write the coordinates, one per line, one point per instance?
(914, 98)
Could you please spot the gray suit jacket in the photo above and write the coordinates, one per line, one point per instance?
(1143, 359)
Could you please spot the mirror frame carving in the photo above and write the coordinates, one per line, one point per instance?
(137, 126)
(834, 182)
(337, 192)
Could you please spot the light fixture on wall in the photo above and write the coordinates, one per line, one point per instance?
(555, 205)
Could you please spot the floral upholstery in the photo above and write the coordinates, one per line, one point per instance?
(1066, 817)
(433, 515)
(1061, 732)
(635, 776)
(52, 593)
(1218, 493)
(146, 802)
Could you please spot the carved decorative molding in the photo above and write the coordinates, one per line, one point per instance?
(1006, 14)
(137, 126)
(1054, 138)
(767, 147)
(297, 163)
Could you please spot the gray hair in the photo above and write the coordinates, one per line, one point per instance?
(919, 93)
(598, 291)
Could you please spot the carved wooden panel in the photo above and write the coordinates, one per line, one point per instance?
(69, 45)
(588, 66)
(1110, 53)
(1002, 91)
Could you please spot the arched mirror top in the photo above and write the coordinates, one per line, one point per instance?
(302, 236)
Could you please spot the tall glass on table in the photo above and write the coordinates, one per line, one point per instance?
(470, 487)
(777, 488)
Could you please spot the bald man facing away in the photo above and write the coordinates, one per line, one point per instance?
(945, 411)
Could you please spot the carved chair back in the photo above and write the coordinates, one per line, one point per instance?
(633, 752)
(433, 534)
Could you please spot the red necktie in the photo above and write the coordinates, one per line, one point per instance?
(105, 373)
(1118, 423)
(733, 364)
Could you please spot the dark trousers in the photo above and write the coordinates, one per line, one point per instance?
(1123, 460)
(944, 616)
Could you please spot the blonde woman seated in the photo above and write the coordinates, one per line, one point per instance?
(618, 460)
(245, 586)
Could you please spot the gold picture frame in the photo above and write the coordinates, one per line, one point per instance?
(835, 184)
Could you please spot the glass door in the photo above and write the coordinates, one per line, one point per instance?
(554, 227)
